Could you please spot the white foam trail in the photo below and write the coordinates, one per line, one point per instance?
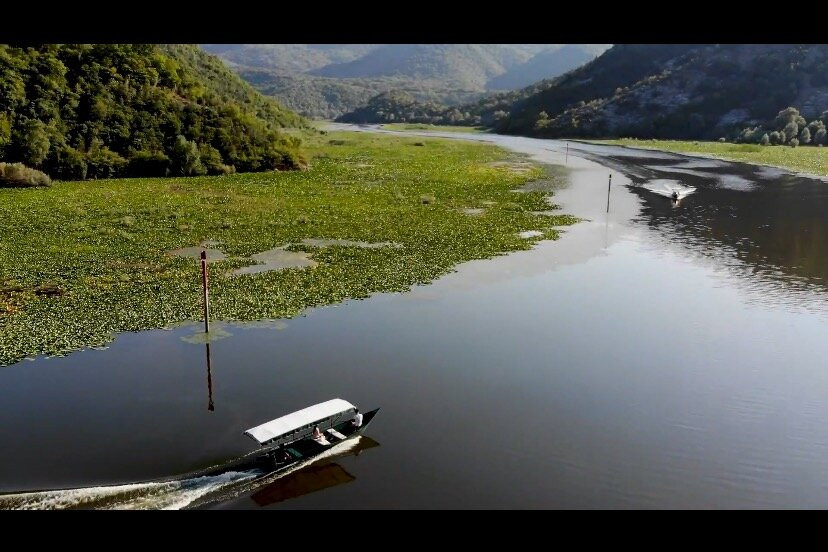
(156, 495)
(135, 496)
(339, 449)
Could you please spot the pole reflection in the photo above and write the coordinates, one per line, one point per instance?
(210, 406)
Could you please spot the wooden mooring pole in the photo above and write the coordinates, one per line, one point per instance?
(206, 286)
(567, 153)
(609, 185)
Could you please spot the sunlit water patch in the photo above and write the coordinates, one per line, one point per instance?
(278, 258)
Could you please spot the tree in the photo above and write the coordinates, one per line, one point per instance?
(819, 136)
(68, 164)
(186, 160)
(147, 163)
(790, 131)
(793, 143)
(775, 138)
(5, 131)
(815, 125)
(805, 136)
(786, 116)
(765, 139)
(211, 159)
(33, 142)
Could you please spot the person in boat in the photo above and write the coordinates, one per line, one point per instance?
(317, 435)
(675, 196)
(282, 455)
(356, 421)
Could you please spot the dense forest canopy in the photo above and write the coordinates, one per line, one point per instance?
(80, 111)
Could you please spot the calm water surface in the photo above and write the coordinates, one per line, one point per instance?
(656, 356)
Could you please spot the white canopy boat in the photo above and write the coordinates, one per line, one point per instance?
(288, 440)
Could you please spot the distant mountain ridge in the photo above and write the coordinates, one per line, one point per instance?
(285, 59)
(330, 80)
(546, 64)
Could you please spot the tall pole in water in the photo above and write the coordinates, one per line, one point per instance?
(609, 185)
(206, 291)
(567, 153)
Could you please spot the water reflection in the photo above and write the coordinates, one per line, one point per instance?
(315, 477)
(763, 225)
(210, 406)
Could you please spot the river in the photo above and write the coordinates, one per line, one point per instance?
(656, 356)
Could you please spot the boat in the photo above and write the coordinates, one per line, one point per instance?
(286, 446)
(288, 440)
(669, 188)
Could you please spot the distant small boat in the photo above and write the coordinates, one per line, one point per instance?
(669, 188)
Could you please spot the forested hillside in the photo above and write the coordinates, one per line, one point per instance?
(677, 91)
(400, 106)
(99, 111)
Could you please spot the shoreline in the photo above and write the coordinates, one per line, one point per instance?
(697, 155)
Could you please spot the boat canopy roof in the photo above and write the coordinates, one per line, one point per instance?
(296, 420)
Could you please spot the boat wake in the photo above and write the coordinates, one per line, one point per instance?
(669, 188)
(159, 495)
(153, 495)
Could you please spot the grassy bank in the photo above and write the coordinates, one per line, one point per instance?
(82, 260)
(440, 128)
(807, 159)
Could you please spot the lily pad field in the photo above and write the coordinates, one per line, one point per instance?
(80, 261)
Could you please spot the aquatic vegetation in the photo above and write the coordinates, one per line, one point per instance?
(440, 128)
(812, 160)
(80, 261)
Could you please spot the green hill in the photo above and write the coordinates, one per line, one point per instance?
(105, 110)
(328, 98)
(401, 106)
